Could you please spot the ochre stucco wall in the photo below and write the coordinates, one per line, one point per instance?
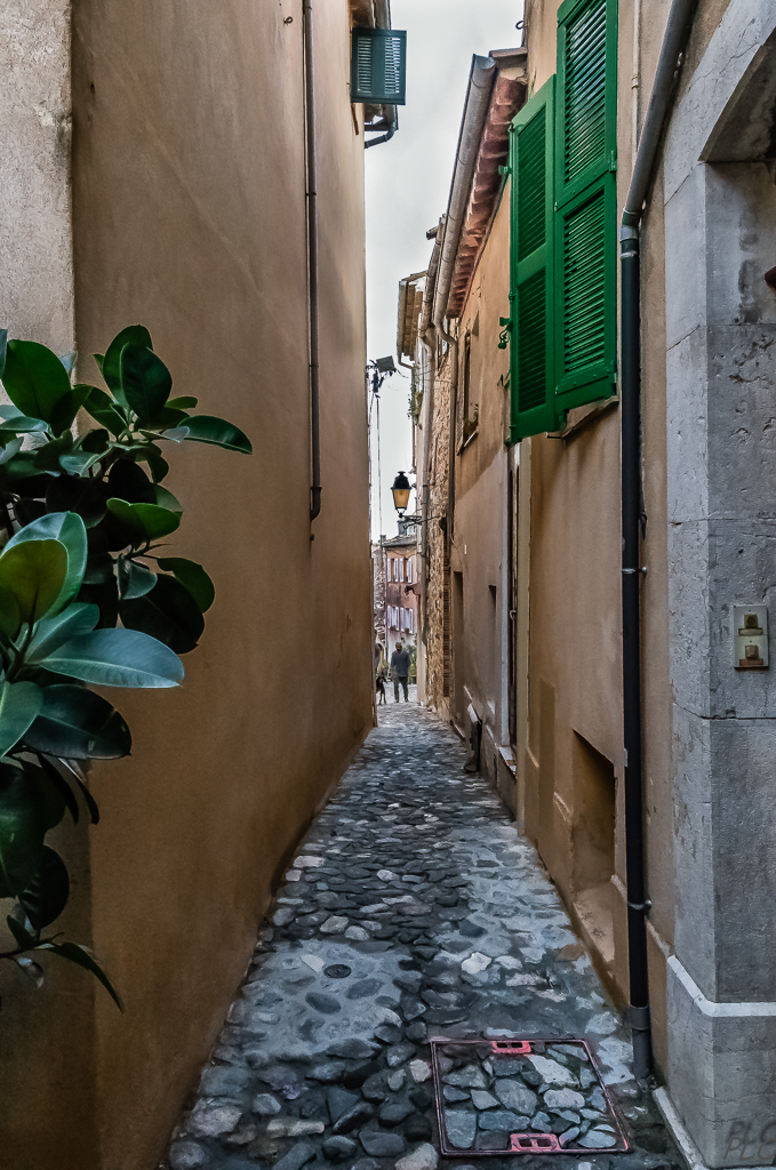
(574, 675)
(479, 551)
(189, 215)
(573, 555)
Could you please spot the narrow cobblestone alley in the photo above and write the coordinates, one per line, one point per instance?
(412, 911)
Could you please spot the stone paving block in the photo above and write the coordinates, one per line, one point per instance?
(412, 911)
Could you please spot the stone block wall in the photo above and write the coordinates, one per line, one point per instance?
(436, 616)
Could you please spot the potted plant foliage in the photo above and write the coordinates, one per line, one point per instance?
(88, 598)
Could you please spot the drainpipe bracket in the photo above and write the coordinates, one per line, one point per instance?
(638, 1018)
(642, 907)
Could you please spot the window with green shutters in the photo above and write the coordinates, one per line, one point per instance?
(563, 287)
(532, 294)
(585, 199)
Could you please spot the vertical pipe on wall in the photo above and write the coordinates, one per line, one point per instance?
(311, 183)
(631, 651)
(636, 81)
(674, 41)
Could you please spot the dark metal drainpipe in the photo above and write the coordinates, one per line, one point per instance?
(312, 254)
(674, 42)
(384, 137)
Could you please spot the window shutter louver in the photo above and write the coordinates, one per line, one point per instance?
(532, 380)
(378, 66)
(585, 221)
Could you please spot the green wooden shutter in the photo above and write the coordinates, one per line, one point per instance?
(531, 296)
(585, 202)
(378, 66)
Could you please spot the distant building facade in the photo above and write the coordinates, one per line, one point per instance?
(400, 602)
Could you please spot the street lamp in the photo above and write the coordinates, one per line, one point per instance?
(400, 490)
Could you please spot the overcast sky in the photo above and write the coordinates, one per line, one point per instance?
(407, 184)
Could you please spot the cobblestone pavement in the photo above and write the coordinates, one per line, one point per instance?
(411, 911)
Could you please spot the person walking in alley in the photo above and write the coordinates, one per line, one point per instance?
(400, 671)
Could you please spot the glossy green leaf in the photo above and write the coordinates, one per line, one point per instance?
(10, 450)
(80, 955)
(19, 424)
(117, 658)
(3, 350)
(157, 465)
(21, 830)
(97, 439)
(22, 936)
(204, 428)
(69, 530)
(63, 414)
(35, 573)
(166, 499)
(20, 704)
(78, 725)
(168, 613)
(111, 371)
(46, 895)
(10, 614)
(51, 632)
(68, 493)
(172, 434)
(149, 520)
(129, 482)
(164, 418)
(89, 801)
(185, 402)
(105, 596)
(61, 786)
(105, 410)
(135, 580)
(35, 379)
(48, 796)
(193, 577)
(79, 462)
(46, 456)
(145, 380)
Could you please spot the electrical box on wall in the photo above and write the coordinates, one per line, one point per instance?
(750, 637)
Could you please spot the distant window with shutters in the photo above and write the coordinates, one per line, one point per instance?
(378, 66)
(564, 227)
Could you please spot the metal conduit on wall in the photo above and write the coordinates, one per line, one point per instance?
(311, 182)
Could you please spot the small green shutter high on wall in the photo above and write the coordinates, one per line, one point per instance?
(378, 66)
(585, 199)
(564, 222)
(532, 296)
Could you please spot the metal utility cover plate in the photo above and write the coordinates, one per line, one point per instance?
(522, 1096)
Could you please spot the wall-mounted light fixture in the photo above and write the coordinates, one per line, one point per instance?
(400, 490)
